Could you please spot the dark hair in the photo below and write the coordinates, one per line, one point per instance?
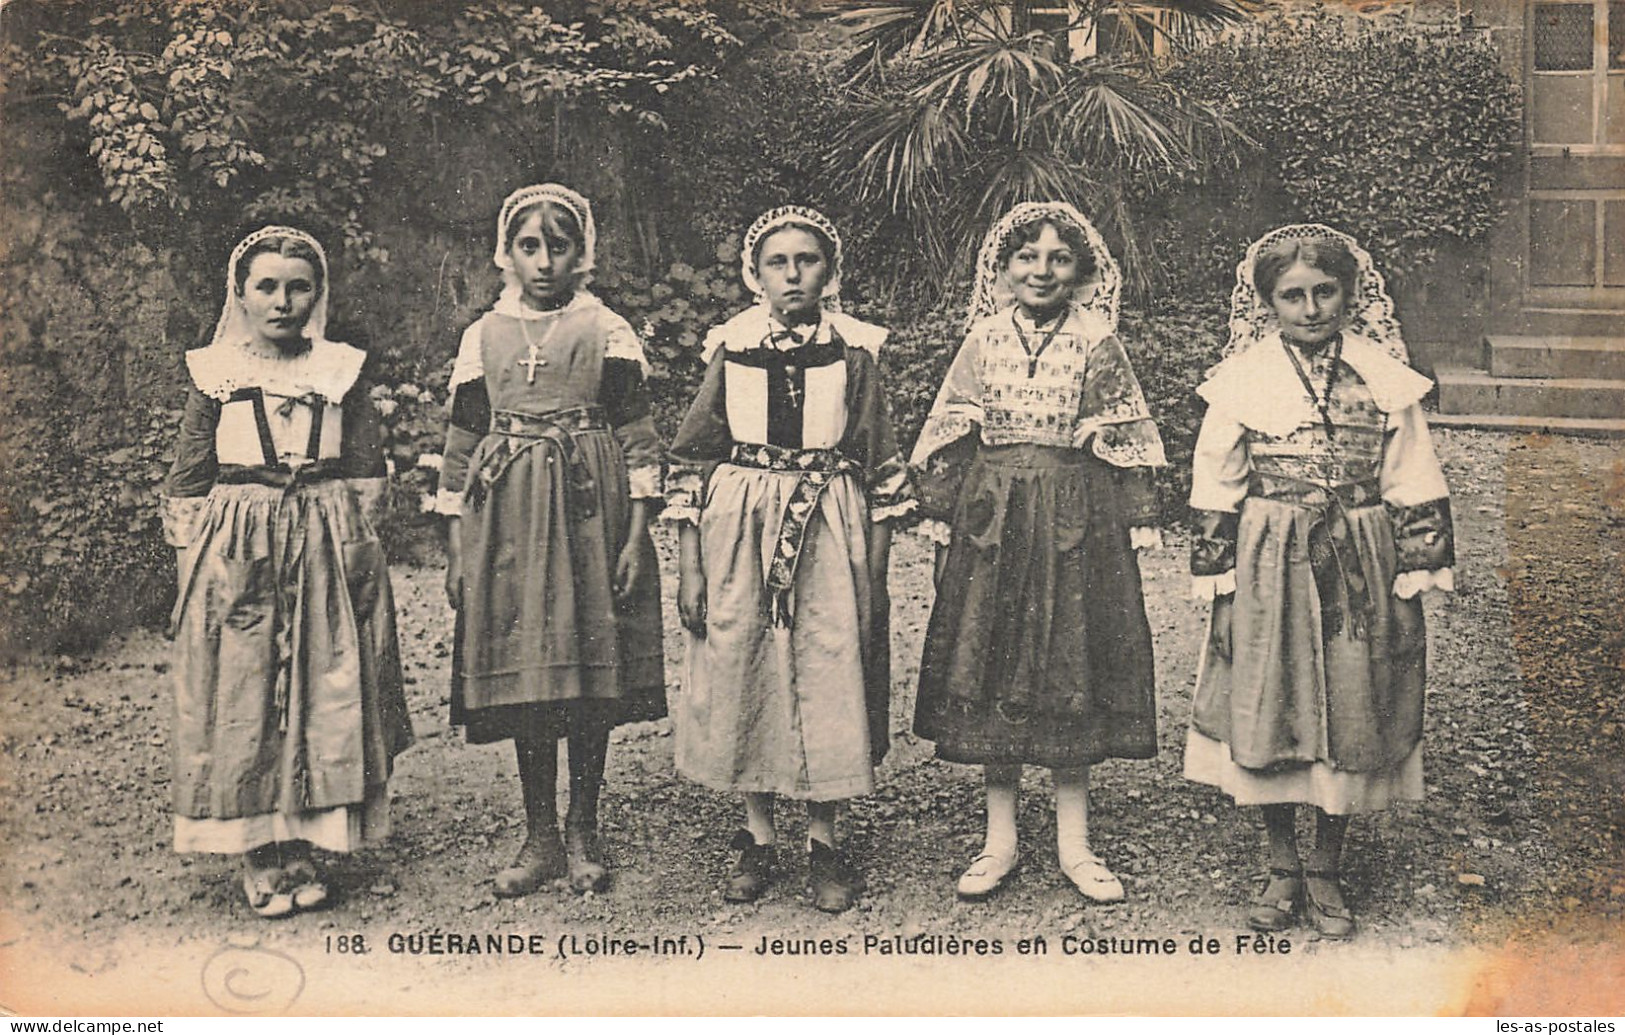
(1027, 233)
(556, 218)
(1326, 254)
(825, 245)
(280, 244)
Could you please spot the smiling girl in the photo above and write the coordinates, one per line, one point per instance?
(1035, 476)
(790, 481)
(551, 463)
(289, 706)
(1322, 515)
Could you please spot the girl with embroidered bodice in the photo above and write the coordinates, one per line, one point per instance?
(550, 469)
(1321, 514)
(290, 705)
(787, 480)
(1035, 472)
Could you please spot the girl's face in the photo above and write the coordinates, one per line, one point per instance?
(793, 271)
(1043, 273)
(544, 260)
(278, 296)
(1308, 303)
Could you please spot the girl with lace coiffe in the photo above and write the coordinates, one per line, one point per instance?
(1035, 473)
(550, 470)
(290, 707)
(1322, 514)
(788, 482)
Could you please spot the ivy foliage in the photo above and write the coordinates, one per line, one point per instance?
(283, 108)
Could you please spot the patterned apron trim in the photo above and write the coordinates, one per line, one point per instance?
(519, 432)
(817, 468)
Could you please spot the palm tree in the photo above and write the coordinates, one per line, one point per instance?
(962, 108)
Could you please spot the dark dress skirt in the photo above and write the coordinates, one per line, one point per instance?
(1038, 649)
(541, 644)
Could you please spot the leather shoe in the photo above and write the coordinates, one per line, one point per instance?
(752, 870)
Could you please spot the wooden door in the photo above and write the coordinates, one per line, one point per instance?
(1575, 241)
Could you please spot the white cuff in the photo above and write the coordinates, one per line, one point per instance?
(371, 494)
(893, 512)
(680, 514)
(444, 502)
(1145, 537)
(644, 482)
(938, 532)
(1409, 583)
(1206, 587)
(181, 516)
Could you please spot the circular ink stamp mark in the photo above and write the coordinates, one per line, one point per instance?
(252, 981)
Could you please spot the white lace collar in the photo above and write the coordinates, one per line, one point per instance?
(328, 368)
(750, 328)
(1260, 389)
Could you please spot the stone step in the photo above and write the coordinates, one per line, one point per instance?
(1557, 322)
(1589, 427)
(1515, 356)
(1476, 392)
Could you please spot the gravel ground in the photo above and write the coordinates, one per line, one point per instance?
(1504, 888)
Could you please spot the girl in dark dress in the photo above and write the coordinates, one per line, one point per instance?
(550, 472)
(1035, 469)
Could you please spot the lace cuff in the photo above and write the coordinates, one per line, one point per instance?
(1145, 537)
(939, 532)
(1424, 536)
(645, 482)
(684, 488)
(181, 516)
(445, 502)
(1206, 587)
(1213, 551)
(893, 512)
(1408, 584)
(891, 492)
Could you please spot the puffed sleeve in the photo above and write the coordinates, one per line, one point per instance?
(871, 440)
(1219, 470)
(625, 398)
(1115, 422)
(192, 473)
(949, 441)
(468, 418)
(703, 440)
(1418, 501)
(362, 454)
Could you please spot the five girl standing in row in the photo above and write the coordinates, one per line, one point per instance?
(1033, 475)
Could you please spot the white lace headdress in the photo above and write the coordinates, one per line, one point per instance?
(993, 292)
(232, 327)
(774, 219)
(1370, 313)
(522, 199)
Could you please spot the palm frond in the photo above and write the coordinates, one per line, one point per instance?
(897, 148)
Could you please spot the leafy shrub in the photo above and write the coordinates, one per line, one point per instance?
(1398, 133)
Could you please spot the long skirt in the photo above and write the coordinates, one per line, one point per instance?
(289, 704)
(773, 708)
(541, 642)
(1304, 711)
(1038, 650)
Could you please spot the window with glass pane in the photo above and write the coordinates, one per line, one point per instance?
(1616, 35)
(1563, 37)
